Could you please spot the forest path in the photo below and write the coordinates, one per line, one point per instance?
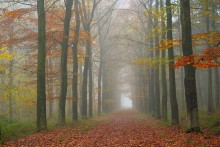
(124, 128)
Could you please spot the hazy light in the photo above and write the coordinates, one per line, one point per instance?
(123, 4)
(126, 102)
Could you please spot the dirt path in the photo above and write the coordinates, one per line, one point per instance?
(124, 129)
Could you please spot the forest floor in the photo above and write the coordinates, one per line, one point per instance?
(124, 128)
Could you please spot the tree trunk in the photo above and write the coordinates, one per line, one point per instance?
(10, 90)
(100, 88)
(75, 63)
(151, 81)
(163, 71)
(190, 81)
(217, 88)
(90, 91)
(157, 74)
(41, 87)
(172, 81)
(65, 45)
(210, 97)
(216, 72)
(85, 74)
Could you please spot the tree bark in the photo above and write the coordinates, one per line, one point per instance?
(65, 45)
(190, 81)
(163, 71)
(210, 96)
(216, 71)
(75, 63)
(100, 87)
(157, 74)
(90, 91)
(172, 81)
(41, 87)
(151, 81)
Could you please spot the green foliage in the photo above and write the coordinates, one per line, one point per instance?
(210, 122)
(17, 129)
(197, 130)
(165, 123)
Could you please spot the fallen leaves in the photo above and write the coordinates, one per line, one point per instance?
(120, 129)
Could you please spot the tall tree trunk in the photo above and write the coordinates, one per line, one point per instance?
(210, 97)
(217, 88)
(75, 63)
(216, 71)
(90, 90)
(85, 74)
(190, 81)
(50, 87)
(100, 87)
(172, 81)
(157, 74)
(151, 81)
(65, 45)
(163, 70)
(41, 87)
(10, 90)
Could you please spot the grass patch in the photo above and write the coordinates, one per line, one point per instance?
(17, 129)
(210, 122)
(165, 123)
(24, 127)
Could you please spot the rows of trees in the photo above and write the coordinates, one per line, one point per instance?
(173, 37)
(59, 53)
(79, 56)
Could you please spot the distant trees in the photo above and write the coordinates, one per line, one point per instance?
(114, 51)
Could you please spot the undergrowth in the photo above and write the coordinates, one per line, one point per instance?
(21, 128)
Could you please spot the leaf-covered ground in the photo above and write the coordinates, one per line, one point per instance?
(123, 129)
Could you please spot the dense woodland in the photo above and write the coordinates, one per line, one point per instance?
(64, 61)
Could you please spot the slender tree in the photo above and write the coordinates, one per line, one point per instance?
(157, 73)
(64, 45)
(216, 70)
(172, 81)
(210, 95)
(87, 17)
(190, 81)
(151, 81)
(75, 62)
(163, 70)
(41, 86)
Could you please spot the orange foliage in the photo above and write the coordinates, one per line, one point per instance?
(209, 58)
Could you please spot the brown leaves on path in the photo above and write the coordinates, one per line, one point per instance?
(123, 129)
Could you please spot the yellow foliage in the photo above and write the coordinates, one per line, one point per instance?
(4, 54)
